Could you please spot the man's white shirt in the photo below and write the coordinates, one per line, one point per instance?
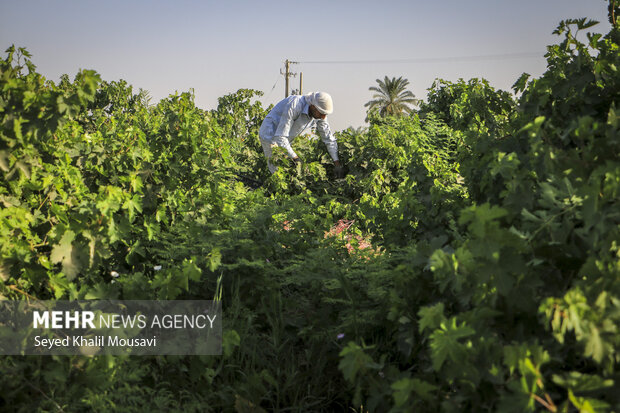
(289, 118)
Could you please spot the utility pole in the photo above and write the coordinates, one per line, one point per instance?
(301, 83)
(286, 78)
(287, 73)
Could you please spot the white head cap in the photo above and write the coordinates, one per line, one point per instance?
(322, 101)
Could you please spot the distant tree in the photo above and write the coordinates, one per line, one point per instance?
(391, 97)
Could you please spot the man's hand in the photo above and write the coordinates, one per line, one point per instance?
(338, 170)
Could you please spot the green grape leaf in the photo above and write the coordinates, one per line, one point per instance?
(64, 253)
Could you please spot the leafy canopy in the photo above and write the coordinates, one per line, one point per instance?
(391, 97)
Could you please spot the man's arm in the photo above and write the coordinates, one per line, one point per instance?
(281, 137)
(328, 139)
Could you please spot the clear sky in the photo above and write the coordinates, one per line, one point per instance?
(217, 47)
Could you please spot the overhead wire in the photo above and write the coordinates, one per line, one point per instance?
(504, 56)
(274, 86)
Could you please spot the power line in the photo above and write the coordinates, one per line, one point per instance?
(274, 86)
(430, 59)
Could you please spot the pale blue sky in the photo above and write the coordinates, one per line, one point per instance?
(217, 47)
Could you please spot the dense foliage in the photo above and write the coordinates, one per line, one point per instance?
(469, 261)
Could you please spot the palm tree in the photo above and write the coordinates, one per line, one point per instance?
(391, 98)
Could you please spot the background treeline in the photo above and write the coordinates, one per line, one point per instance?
(469, 261)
